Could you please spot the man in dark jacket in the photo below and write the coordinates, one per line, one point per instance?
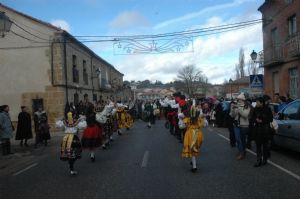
(262, 116)
(24, 130)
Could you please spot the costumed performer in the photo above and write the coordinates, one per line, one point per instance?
(71, 146)
(121, 118)
(92, 135)
(193, 137)
(105, 118)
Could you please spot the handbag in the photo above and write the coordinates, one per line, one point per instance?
(274, 125)
(181, 124)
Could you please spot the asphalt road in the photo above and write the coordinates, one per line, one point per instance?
(147, 163)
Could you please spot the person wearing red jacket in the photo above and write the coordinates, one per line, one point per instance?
(172, 115)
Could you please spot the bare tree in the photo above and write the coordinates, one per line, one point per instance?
(240, 67)
(242, 62)
(237, 72)
(190, 75)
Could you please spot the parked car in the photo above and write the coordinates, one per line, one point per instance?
(288, 119)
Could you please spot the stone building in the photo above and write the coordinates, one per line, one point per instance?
(43, 65)
(281, 41)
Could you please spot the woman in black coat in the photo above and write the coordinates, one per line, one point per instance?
(262, 117)
(24, 130)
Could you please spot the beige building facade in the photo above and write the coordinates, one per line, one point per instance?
(42, 65)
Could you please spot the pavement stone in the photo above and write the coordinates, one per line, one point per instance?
(22, 155)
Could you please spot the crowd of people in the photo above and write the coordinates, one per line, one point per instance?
(98, 123)
(247, 121)
(24, 128)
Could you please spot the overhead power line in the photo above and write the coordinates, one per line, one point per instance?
(187, 32)
(30, 32)
(114, 38)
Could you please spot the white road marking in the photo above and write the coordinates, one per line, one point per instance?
(25, 169)
(271, 163)
(145, 159)
(223, 137)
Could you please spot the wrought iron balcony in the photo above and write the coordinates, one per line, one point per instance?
(293, 45)
(273, 56)
(103, 84)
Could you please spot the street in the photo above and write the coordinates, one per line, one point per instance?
(147, 163)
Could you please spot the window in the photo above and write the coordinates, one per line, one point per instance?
(292, 25)
(85, 74)
(293, 77)
(292, 111)
(274, 36)
(75, 71)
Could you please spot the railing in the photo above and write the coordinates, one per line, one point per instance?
(104, 83)
(293, 45)
(283, 52)
(273, 55)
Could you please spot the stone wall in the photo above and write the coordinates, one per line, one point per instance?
(53, 101)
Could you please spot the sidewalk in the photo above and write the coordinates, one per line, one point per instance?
(23, 155)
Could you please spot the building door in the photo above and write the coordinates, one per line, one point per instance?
(36, 104)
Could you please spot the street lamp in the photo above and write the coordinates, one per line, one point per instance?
(5, 24)
(230, 81)
(253, 56)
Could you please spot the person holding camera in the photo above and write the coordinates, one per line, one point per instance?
(240, 111)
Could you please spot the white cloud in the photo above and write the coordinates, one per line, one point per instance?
(129, 19)
(193, 15)
(61, 24)
(214, 55)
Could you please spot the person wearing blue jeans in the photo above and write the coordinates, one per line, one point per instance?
(240, 112)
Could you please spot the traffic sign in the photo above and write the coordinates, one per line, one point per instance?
(256, 81)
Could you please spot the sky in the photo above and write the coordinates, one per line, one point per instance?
(215, 55)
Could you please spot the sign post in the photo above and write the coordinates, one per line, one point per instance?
(257, 81)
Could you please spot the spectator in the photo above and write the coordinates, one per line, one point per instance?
(24, 130)
(282, 102)
(6, 129)
(240, 112)
(262, 116)
(41, 127)
(289, 99)
(276, 98)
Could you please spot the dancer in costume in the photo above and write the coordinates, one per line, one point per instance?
(71, 146)
(128, 120)
(105, 118)
(193, 136)
(92, 135)
(124, 119)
